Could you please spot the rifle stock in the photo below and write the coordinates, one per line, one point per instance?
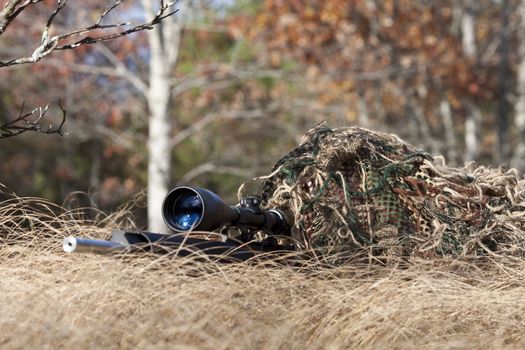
(200, 244)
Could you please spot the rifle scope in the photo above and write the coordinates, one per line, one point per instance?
(191, 208)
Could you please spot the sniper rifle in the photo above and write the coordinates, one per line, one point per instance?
(195, 215)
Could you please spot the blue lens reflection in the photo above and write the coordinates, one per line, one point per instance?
(187, 212)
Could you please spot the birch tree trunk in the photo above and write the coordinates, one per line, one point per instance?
(518, 158)
(164, 42)
(450, 137)
(363, 119)
(505, 78)
(417, 114)
(472, 137)
(468, 40)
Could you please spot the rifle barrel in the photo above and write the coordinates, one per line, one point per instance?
(86, 245)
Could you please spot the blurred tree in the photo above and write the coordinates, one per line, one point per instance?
(518, 158)
(111, 88)
(242, 84)
(73, 37)
(164, 44)
(505, 83)
(472, 111)
(428, 71)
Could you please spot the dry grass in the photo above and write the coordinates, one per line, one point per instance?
(53, 300)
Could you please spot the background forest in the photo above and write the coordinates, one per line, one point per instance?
(235, 84)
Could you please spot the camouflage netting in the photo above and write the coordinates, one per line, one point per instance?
(352, 191)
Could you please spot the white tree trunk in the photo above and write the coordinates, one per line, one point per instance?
(422, 124)
(446, 113)
(518, 158)
(473, 113)
(468, 38)
(363, 119)
(472, 123)
(164, 43)
(159, 162)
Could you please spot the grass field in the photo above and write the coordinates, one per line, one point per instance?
(53, 300)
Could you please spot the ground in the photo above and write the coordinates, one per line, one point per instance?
(51, 299)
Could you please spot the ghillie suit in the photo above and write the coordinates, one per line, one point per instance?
(352, 192)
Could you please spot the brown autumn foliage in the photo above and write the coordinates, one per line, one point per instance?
(395, 62)
(254, 81)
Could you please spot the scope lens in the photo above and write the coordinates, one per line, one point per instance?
(187, 211)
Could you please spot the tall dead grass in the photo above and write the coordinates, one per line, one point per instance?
(53, 300)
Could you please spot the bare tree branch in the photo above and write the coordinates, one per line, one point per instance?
(12, 9)
(79, 37)
(30, 121)
(234, 76)
(217, 169)
(202, 123)
(123, 71)
(95, 33)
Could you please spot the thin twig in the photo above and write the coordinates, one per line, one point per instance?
(30, 121)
